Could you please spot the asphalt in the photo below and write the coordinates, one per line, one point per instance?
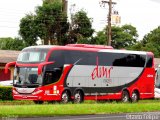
(127, 116)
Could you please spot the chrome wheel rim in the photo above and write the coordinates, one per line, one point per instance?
(77, 98)
(64, 98)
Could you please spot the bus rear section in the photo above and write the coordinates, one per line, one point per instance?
(65, 73)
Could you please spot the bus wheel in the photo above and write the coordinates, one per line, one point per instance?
(125, 97)
(65, 97)
(38, 102)
(134, 97)
(78, 97)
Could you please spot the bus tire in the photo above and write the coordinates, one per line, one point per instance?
(65, 97)
(125, 96)
(38, 102)
(135, 96)
(78, 97)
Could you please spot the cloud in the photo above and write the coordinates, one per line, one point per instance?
(157, 1)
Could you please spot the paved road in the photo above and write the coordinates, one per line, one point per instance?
(82, 117)
(128, 116)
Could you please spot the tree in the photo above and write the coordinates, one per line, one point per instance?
(28, 29)
(153, 37)
(151, 42)
(52, 21)
(11, 44)
(138, 46)
(49, 24)
(122, 37)
(81, 28)
(100, 38)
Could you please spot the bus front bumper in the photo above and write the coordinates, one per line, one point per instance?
(47, 97)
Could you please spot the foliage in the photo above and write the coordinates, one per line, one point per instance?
(28, 29)
(6, 93)
(100, 38)
(122, 37)
(81, 28)
(153, 37)
(150, 42)
(49, 24)
(52, 21)
(11, 44)
(138, 46)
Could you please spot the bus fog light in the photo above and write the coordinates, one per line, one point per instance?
(54, 92)
(57, 91)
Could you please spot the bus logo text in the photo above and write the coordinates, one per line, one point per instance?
(99, 72)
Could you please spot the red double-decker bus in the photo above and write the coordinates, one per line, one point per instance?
(80, 72)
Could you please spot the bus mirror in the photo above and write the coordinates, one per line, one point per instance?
(40, 66)
(7, 66)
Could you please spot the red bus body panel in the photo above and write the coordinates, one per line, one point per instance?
(144, 84)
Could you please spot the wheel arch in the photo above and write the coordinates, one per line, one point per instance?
(68, 90)
(81, 90)
(137, 91)
(126, 89)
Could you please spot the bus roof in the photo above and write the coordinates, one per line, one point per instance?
(41, 46)
(124, 51)
(90, 46)
(98, 48)
(83, 47)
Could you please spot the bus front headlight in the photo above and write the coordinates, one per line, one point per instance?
(37, 92)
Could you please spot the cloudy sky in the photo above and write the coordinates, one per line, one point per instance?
(143, 14)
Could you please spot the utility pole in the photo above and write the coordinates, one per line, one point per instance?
(64, 6)
(108, 29)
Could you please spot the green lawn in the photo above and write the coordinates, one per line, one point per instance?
(29, 109)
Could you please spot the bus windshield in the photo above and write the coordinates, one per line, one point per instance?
(27, 77)
(32, 56)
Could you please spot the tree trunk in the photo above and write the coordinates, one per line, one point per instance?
(45, 41)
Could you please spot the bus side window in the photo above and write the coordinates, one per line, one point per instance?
(52, 76)
(48, 77)
(149, 61)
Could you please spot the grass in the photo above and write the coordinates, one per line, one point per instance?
(16, 102)
(30, 109)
